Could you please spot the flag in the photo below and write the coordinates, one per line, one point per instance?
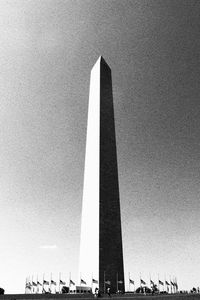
(53, 282)
(142, 281)
(83, 282)
(45, 282)
(131, 281)
(108, 282)
(62, 282)
(28, 285)
(120, 281)
(71, 282)
(151, 282)
(160, 282)
(172, 283)
(34, 284)
(166, 282)
(38, 283)
(94, 280)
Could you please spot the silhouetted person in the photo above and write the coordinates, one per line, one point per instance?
(96, 292)
(1, 291)
(108, 291)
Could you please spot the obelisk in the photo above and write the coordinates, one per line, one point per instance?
(101, 252)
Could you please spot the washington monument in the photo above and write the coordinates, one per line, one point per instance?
(101, 251)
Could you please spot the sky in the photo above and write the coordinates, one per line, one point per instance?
(47, 49)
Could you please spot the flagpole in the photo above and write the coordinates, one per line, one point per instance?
(37, 285)
(117, 282)
(150, 279)
(140, 284)
(170, 284)
(43, 284)
(92, 281)
(50, 283)
(69, 280)
(167, 288)
(32, 285)
(174, 286)
(27, 278)
(25, 285)
(104, 284)
(163, 286)
(59, 283)
(29, 281)
(129, 281)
